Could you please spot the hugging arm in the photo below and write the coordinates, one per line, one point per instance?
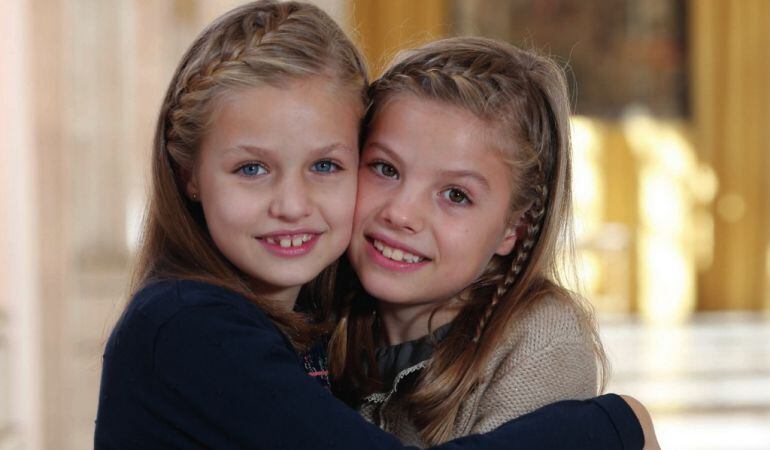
(266, 393)
(224, 379)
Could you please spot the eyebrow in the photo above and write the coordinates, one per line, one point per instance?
(336, 146)
(259, 151)
(467, 174)
(254, 150)
(384, 148)
(461, 173)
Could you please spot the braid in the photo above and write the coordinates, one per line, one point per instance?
(534, 220)
(522, 97)
(260, 43)
(265, 42)
(226, 54)
(494, 84)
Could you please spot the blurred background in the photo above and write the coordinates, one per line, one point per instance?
(672, 189)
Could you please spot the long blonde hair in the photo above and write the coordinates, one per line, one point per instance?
(524, 97)
(264, 42)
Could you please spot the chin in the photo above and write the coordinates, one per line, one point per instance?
(284, 281)
(383, 290)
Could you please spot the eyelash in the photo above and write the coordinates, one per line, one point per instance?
(466, 198)
(377, 167)
(241, 168)
(335, 167)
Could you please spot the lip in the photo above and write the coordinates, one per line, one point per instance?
(394, 244)
(289, 252)
(387, 263)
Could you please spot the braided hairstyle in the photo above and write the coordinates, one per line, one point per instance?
(523, 98)
(260, 43)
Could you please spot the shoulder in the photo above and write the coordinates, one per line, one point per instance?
(162, 300)
(551, 321)
(171, 320)
(160, 303)
(547, 355)
(548, 319)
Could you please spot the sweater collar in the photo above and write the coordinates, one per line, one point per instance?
(394, 359)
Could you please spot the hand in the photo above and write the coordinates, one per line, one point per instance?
(650, 440)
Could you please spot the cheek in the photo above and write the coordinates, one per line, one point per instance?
(369, 197)
(339, 204)
(231, 209)
(468, 242)
(456, 238)
(230, 206)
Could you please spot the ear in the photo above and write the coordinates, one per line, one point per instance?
(509, 238)
(191, 185)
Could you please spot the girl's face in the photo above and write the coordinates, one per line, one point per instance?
(276, 176)
(433, 203)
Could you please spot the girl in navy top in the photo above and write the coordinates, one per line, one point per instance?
(253, 188)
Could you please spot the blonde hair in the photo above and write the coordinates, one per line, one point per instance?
(524, 97)
(264, 42)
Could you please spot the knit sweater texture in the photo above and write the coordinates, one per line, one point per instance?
(546, 356)
(195, 366)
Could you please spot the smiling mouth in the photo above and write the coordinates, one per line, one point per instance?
(288, 240)
(289, 245)
(396, 254)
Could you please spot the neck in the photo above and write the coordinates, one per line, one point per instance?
(403, 323)
(283, 297)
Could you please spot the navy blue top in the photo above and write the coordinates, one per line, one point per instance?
(191, 365)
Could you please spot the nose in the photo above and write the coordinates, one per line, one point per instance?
(291, 201)
(402, 212)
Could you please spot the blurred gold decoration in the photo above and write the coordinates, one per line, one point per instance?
(604, 243)
(385, 27)
(731, 111)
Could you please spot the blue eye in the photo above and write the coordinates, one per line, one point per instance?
(325, 166)
(456, 196)
(385, 170)
(252, 170)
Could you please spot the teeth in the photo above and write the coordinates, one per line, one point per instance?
(288, 241)
(396, 254)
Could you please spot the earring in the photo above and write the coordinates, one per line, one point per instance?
(195, 196)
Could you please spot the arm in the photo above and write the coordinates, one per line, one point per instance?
(228, 383)
(650, 439)
(576, 424)
(563, 370)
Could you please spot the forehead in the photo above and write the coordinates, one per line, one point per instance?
(301, 110)
(425, 128)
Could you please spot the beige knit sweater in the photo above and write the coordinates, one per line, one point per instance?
(546, 357)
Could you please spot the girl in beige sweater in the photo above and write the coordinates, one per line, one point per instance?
(463, 216)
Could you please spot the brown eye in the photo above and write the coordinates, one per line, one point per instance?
(457, 196)
(386, 170)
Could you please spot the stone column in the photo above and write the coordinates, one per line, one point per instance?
(20, 340)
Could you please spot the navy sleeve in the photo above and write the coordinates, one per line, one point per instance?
(605, 422)
(219, 377)
(241, 387)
